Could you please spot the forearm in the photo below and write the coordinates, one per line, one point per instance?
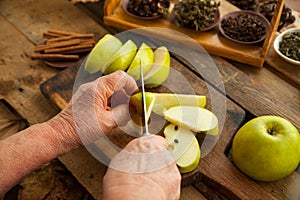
(27, 150)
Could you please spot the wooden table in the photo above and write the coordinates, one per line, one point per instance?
(258, 91)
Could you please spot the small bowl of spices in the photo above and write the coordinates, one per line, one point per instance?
(146, 9)
(199, 15)
(287, 45)
(245, 27)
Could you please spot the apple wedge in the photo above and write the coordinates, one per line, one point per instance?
(121, 59)
(193, 118)
(144, 57)
(184, 147)
(101, 53)
(160, 68)
(165, 101)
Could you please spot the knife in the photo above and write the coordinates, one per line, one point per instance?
(146, 132)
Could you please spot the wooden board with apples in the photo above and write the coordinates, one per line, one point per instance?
(214, 169)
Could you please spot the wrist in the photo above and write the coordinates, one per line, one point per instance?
(63, 133)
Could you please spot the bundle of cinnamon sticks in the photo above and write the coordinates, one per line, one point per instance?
(63, 46)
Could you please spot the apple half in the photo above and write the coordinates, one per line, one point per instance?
(136, 106)
(164, 101)
(193, 118)
(184, 147)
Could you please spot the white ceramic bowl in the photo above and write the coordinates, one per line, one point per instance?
(278, 40)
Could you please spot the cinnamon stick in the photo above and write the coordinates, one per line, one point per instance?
(50, 35)
(67, 33)
(56, 45)
(54, 57)
(69, 48)
(78, 51)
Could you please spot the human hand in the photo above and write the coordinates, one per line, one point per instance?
(88, 115)
(144, 169)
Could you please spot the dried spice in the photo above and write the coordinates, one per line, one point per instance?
(266, 8)
(290, 45)
(195, 14)
(244, 27)
(148, 8)
(244, 4)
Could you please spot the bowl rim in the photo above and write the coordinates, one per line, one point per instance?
(235, 13)
(278, 40)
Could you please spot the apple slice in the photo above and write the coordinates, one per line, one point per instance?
(144, 57)
(101, 53)
(184, 147)
(165, 101)
(160, 69)
(136, 106)
(193, 118)
(121, 59)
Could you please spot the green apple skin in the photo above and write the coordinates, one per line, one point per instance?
(101, 53)
(264, 156)
(121, 59)
(160, 68)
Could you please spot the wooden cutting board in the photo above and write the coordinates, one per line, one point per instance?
(215, 169)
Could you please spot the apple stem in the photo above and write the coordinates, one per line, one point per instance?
(271, 131)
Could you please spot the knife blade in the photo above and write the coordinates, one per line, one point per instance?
(146, 132)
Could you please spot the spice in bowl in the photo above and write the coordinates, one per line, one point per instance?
(244, 26)
(196, 14)
(147, 8)
(290, 45)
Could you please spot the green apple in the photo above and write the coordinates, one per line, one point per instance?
(267, 148)
(136, 106)
(121, 59)
(165, 101)
(193, 118)
(160, 68)
(184, 147)
(144, 57)
(101, 53)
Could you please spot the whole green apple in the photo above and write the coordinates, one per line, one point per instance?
(267, 148)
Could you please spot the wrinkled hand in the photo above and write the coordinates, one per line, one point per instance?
(144, 169)
(88, 116)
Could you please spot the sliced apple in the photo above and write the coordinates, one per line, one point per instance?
(121, 59)
(101, 53)
(184, 147)
(193, 118)
(144, 57)
(136, 106)
(165, 101)
(160, 69)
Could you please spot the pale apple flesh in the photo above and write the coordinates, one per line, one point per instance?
(194, 118)
(184, 147)
(267, 148)
(165, 101)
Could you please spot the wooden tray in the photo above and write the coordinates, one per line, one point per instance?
(212, 41)
(215, 169)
